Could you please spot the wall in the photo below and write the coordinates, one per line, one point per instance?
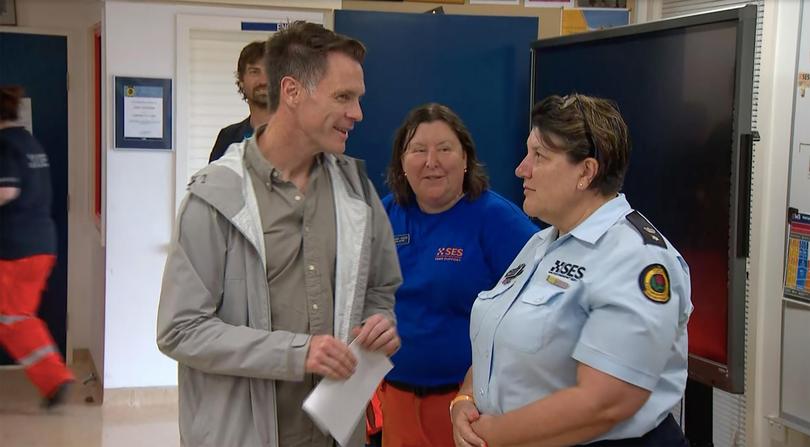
(286, 4)
(74, 18)
(139, 187)
(780, 45)
(550, 20)
(549, 17)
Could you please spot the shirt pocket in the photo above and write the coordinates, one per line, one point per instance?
(526, 326)
(483, 303)
(499, 289)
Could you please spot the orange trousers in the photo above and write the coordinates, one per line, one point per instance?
(413, 421)
(373, 416)
(22, 333)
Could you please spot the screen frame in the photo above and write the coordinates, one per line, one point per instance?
(729, 377)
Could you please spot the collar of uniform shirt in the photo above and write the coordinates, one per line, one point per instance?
(592, 228)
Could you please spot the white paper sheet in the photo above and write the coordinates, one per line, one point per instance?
(26, 115)
(337, 405)
(143, 117)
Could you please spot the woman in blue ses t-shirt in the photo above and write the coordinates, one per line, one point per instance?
(454, 238)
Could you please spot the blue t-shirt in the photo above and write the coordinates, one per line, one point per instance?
(446, 259)
(26, 227)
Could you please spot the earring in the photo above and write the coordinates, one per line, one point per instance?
(465, 170)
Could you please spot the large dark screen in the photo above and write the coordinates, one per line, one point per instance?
(675, 88)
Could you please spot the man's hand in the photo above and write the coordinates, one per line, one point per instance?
(329, 357)
(463, 415)
(377, 334)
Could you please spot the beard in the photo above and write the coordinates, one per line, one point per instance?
(258, 96)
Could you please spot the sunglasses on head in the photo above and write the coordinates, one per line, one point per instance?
(574, 99)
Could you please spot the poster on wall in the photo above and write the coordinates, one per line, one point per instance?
(8, 12)
(584, 20)
(457, 2)
(601, 3)
(143, 113)
(495, 2)
(804, 82)
(797, 268)
(549, 4)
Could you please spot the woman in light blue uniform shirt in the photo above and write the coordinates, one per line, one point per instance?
(583, 339)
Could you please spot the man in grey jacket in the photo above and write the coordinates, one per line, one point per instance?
(281, 256)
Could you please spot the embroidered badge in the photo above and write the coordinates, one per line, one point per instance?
(449, 254)
(557, 281)
(512, 274)
(567, 270)
(654, 283)
(402, 239)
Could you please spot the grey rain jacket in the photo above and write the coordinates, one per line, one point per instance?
(214, 314)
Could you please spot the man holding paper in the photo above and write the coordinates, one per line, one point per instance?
(282, 254)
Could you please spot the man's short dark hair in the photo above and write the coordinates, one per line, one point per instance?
(10, 102)
(251, 54)
(300, 51)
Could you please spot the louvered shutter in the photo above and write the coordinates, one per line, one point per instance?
(215, 101)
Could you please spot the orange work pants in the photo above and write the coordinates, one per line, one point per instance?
(413, 421)
(22, 333)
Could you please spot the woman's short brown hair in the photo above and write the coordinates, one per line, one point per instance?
(586, 126)
(475, 179)
(10, 102)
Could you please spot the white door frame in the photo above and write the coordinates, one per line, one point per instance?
(186, 23)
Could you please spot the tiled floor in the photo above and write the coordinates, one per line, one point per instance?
(79, 423)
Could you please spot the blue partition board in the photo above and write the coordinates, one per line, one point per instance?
(477, 65)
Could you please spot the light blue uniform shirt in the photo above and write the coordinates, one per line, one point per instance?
(580, 298)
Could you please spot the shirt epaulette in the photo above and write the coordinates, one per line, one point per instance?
(648, 232)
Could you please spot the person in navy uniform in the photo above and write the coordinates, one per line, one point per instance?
(27, 253)
(583, 340)
(251, 80)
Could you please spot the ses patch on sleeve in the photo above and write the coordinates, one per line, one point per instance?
(654, 283)
(9, 168)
